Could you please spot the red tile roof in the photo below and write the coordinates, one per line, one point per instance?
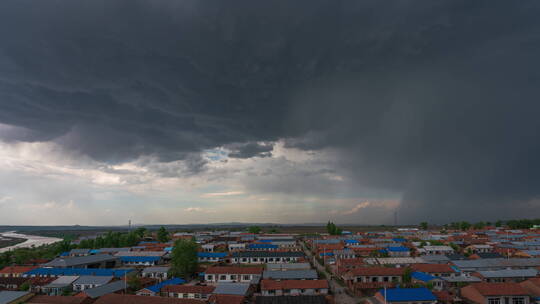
(226, 299)
(499, 289)
(17, 269)
(113, 298)
(377, 271)
(57, 300)
(234, 270)
(188, 289)
(293, 284)
(433, 268)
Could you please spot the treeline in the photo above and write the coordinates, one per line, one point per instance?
(522, 224)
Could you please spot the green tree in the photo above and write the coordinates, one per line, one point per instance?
(424, 225)
(479, 225)
(254, 229)
(184, 260)
(498, 223)
(163, 235)
(141, 231)
(24, 286)
(134, 282)
(407, 275)
(464, 225)
(332, 229)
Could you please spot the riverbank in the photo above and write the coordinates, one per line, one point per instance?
(27, 240)
(10, 241)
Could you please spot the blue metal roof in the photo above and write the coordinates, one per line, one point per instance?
(63, 254)
(262, 246)
(408, 294)
(399, 240)
(326, 254)
(94, 251)
(77, 272)
(211, 254)
(175, 281)
(140, 259)
(352, 241)
(422, 276)
(398, 249)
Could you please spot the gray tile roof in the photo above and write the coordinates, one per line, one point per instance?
(290, 274)
(510, 273)
(232, 288)
(156, 269)
(105, 289)
(10, 296)
(288, 266)
(487, 264)
(82, 260)
(292, 300)
(93, 280)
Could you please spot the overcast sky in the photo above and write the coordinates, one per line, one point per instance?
(189, 111)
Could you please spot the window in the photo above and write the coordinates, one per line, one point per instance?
(246, 278)
(494, 301)
(518, 301)
(209, 277)
(222, 277)
(185, 295)
(244, 260)
(233, 277)
(385, 279)
(197, 296)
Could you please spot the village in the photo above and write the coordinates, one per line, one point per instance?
(484, 265)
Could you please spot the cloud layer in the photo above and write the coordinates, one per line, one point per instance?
(312, 105)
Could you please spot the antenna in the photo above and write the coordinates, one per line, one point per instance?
(129, 225)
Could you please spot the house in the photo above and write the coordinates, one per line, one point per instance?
(41, 299)
(224, 274)
(15, 271)
(96, 292)
(133, 299)
(319, 299)
(532, 286)
(293, 287)
(469, 266)
(79, 252)
(485, 255)
(188, 291)
(213, 257)
(506, 275)
(8, 297)
(406, 295)
(208, 247)
(479, 248)
(427, 279)
(87, 282)
(239, 289)
(309, 274)
(262, 247)
(398, 251)
(89, 261)
(58, 286)
(374, 274)
(288, 266)
(226, 299)
(57, 272)
(154, 290)
(12, 283)
(439, 249)
(158, 272)
(495, 293)
(237, 246)
(438, 270)
(140, 260)
(261, 257)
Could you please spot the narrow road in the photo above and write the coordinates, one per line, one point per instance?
(339, 292)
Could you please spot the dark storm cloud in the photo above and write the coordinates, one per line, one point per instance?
(437, 100)
(250, 149)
